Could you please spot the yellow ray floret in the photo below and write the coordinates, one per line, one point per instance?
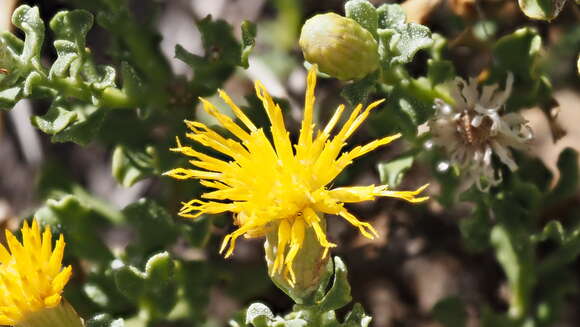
(31, 274)
(274, 184)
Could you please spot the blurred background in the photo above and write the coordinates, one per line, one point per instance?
(420, 258)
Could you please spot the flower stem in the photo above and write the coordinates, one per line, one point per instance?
(110, 97)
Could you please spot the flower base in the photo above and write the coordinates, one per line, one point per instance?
(63, 315)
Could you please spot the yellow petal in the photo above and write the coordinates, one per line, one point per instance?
(61, 280)
(237, 111)
(296, 240)
(365, 228)
(305, 138)
(284, 233)
(224, 120)
(410, 196)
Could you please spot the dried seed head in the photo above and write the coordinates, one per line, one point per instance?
(473, 129)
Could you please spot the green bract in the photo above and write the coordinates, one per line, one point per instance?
(339, 46)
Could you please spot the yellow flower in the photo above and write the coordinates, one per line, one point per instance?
(31, 274)
(276, 184)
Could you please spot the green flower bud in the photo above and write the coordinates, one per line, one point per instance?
(339, 46)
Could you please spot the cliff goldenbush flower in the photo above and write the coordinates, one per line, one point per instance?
(473, 129)
(277, 184)
(31, 274)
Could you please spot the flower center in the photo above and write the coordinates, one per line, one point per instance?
(476, 136)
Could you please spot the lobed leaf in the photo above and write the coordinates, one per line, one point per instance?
(249, 32)
(104, 320)
(392, 172)
(130, 165)
(542, 9)
(364, 13)
(339, 293)
(155, 288)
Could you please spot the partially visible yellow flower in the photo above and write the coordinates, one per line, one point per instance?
(272, 183)
(31, 274)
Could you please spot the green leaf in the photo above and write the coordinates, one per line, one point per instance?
(9, 58)
(159, 271)
(132, 83)
(364, 13)
(96, 294)
(357, 317)
(391, 15)
(399, 41)
(518, 52)
(85, 128)
(358, 91)
(72, 26)
(9, 97)
(104, 320)
(100, 289)
(28, 20)
(72, 80)
(196, 279)
(13, 44)
(475, 230)
(568, 182)
(440, 71)
(534, 170)
(67, 55)
(567, 252)
(542, 9)
(485, 30)
(154, 225)
(249, 32)
(70, 29)
(408, 40)
(129, 280)
(160, 284)
(155, 288)
(409, 109)
(515, 256)
(219, 41)
(552, 231)
(99, 78)
(339, 293)
(259, 315)
(198, 231)
(130, 165)
(78, 221)
(55, 120)
(209, 75)
(450, 312)
(392, 172)
(34, 82)
(222, 54)
(71, 121)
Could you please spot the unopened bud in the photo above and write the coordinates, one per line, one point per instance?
(339, 46)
